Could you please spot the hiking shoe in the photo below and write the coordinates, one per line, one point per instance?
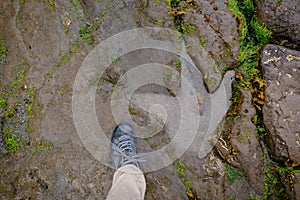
(123, 146)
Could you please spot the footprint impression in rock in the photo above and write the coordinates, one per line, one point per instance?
(188, 114)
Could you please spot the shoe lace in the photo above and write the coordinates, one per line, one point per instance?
(125, 148)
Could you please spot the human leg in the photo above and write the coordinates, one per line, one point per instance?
(129, 181)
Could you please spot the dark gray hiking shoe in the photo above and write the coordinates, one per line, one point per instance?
(123, 146)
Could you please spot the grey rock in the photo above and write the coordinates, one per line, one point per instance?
(281, 111)
(282, 17)
(241, 148)
(42, 36)
(209, 179)
(247, 147)
(296, 188)
(37, 31)
(117, 16)
(217, 33)
(220, 33)
(164, 184)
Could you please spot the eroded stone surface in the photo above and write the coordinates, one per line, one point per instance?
(296, 188)
(68, 171)
(210, 180)
(216, 32)
(282, 17)
(165, 184)
(241, 147)
(281, 111)
(245, 143)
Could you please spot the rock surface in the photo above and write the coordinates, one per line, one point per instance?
(296, 188)
(281, 17)
(53, 50)
(216, 32)
(53, 38)
(248, 150)
(241, 147)
(281, 111)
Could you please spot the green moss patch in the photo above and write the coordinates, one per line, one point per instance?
(181, 171)
(253, 36)
(17, 102)
(3, 50)
(232, 173)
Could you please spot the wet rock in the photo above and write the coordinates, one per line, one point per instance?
(69, 171)
(281, 111)
(207, 175)
(154, 14)
(43, 33)
(233, 191)
(241, 147)
(248, 150)
(219, 35)
(296, 188)
(289, 182)
(217, 39)
(282, 17)
(164, 184)
(117, 16)
(209, 179)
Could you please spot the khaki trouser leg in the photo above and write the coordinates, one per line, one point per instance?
(128, 184)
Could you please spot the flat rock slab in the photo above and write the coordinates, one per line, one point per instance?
(281, 111)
